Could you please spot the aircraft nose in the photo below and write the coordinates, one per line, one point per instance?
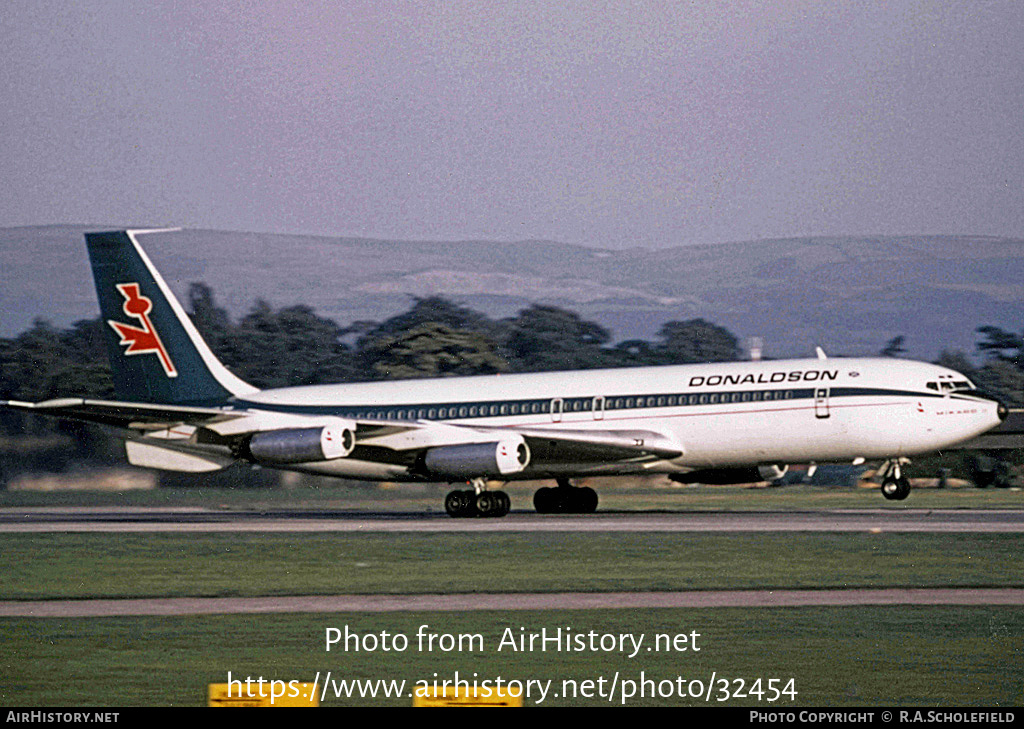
(1001, 410)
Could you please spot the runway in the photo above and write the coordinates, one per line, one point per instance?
(194, 520)
(199, 520)
(509, 601)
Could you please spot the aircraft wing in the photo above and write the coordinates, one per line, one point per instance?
(127, 415)
(210, 432)
(563, 444)
(145, 417)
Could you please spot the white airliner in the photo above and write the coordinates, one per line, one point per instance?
(182, 410)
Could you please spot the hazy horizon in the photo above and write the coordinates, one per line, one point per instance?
(849, 294)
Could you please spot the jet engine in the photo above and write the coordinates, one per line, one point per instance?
(301, 445)
(474, 460)
(740, 474)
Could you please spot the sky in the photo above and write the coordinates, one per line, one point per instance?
(616, 124)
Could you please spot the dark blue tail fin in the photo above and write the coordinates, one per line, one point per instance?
(156, 354)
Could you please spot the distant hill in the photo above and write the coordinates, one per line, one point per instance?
(849, 295)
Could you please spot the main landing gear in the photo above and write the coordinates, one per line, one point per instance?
(477, 501)
(895, 485)
(566, 499)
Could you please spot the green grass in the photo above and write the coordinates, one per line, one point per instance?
(54, 565)
(852, 656)
(858, 656)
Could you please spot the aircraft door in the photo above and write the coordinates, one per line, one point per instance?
(598, 406)
(556, 410)
(821, 402)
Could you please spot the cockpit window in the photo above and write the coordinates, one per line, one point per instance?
(947, 384)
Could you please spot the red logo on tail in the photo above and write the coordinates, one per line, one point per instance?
(145, 340)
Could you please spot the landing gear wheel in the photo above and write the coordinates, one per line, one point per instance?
(566, 499)
(543, 501)
(506, 503)
(896, 489)
(587, 500)
(488, 504)
(460, 503)
(895, 484)
(463, 503)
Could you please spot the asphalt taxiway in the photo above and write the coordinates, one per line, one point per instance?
(508, 601)
(177, 519)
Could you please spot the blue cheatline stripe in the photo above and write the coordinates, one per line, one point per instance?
(612, 404)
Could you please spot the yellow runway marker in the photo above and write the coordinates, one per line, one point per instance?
(272, 693)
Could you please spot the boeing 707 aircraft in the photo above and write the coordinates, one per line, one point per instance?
(182, 410)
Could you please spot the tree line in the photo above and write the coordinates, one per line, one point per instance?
(277, 347)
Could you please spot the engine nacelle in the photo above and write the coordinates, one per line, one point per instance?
(302, 445)
(739, 474)
(478, 460)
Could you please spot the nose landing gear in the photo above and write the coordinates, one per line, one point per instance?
(895, 485)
